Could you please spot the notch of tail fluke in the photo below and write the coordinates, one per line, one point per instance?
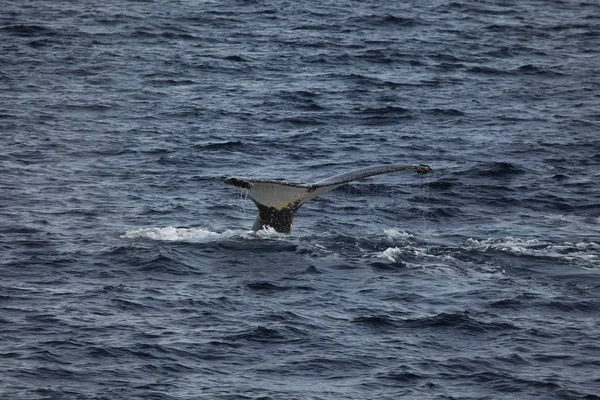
(278, 201)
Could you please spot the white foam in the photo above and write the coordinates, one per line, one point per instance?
(391, 253)
(394, 253)
(393, 233)
(264, 233)
(584, 251)
(422, 259)
(173, 234)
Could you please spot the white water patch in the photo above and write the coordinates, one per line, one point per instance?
(395, 254)
(587, 252)
(440, 264)
(264, 233)
(391, 253)
(393, 233)
(172, 234)
(198, 235)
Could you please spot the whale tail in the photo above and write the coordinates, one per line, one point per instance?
(278, 201)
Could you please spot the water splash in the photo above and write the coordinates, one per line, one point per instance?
(172, 234)
(394, 233)
(391, 253)
(423, 207)
(199, 235)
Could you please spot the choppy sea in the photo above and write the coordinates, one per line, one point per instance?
(128, 269)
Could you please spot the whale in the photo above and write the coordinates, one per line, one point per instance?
(278, 201)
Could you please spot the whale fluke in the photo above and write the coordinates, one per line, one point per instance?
(278, 201)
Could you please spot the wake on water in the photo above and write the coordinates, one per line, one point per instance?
(198, 235)
(586, 252)
(405, 246)
(406, 249)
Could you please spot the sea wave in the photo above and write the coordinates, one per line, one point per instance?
(582, 252)
(174, 234)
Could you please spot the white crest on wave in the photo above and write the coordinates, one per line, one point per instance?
(391, 253)
(173, 234)
(394, 253)
(194, 235)
(577, 252)
(264, 233)
(394, 233)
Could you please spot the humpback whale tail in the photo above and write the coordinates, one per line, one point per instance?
(278, 201)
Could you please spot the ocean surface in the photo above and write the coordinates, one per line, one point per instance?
(128, 269)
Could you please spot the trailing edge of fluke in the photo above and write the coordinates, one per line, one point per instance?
(278, 201)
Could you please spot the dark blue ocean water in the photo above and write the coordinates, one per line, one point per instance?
(128, 269)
